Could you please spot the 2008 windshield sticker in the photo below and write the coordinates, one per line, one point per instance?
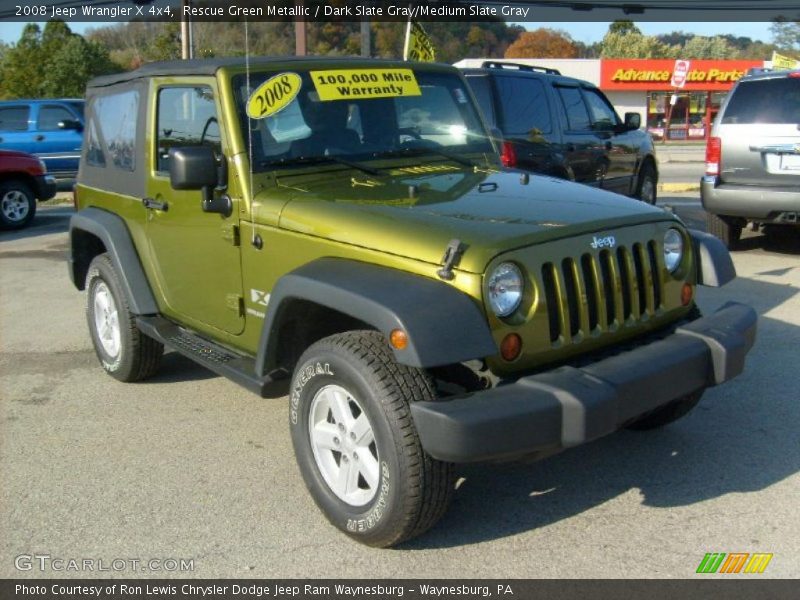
(272, 96)
(344, 84)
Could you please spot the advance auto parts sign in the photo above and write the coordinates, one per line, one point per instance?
(345, 84)
(657, 74)
(272, 96)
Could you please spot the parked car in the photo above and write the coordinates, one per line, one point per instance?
(564, 127)
(49, 129)
(753, 156)
(421, 305)
(23, 180)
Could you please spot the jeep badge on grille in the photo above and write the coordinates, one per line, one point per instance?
(603, 242)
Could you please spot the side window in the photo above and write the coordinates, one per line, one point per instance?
(482, 88)
(577, 116)
(524, 106)
(111, 130)
(14, 118)
(187, 116)
(604, 117)
(50, 115)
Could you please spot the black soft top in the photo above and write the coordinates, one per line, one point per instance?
(209, 66)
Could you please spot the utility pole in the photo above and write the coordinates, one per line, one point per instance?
(186, 33)
(366, 48)
(300, 32)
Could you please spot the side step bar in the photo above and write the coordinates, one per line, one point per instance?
(214, 357)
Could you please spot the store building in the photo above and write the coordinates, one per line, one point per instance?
(672, 107)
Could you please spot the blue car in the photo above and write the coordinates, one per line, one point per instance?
(49, 129)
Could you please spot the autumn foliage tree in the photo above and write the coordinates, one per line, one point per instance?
(543, 43)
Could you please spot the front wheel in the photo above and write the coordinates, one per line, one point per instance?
(647, 188)
(356, 444)
(17, 204)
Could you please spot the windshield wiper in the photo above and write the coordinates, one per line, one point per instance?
(309, 160)
(419, 151)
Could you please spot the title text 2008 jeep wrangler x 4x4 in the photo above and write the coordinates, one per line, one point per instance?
(346, 225)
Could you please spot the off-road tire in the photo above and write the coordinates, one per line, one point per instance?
(414, 489)
(647, 187)
(139, 356)
(14, 190)
(668, 413)
(724, 228)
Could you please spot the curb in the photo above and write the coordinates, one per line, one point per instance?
(678, 187)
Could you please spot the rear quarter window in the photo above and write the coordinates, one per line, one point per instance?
(766, 101)
(111, 131)
(524, 106)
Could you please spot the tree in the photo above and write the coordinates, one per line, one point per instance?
(624, 26)
(786, 34)
(543, 43)
(635, 45)
(51, 63)
(708, 47)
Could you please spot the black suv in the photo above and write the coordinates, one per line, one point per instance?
(564, 127)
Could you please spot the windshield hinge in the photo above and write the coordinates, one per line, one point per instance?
(235, 302)
(452, 256)
(230, 232)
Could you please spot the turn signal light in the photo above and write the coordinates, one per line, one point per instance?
(686, 294)
(510, 347)
(713, 155)
(509, 155)
(398, 339)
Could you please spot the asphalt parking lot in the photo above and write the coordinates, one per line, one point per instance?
(190, 466)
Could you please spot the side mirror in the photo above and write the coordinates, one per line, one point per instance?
(70, 124)
(633, 120)
(195, 168)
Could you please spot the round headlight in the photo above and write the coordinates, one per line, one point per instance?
(673, 249)
(505, 289)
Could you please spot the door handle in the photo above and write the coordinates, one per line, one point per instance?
(39, 137)
(155, 204)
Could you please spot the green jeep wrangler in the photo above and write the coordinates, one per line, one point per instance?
(341, 230)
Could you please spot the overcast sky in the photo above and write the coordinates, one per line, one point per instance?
(581, 32)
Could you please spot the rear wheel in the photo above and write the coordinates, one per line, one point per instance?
(356, 444)
(17, 204)
(668, 413)
(725, 228)
(124, 351)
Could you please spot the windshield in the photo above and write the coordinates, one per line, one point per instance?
(356, 113)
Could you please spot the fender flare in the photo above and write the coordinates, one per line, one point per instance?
(714, 263)
(444, 325)
(112, 231)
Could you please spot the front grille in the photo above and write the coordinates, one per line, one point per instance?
(595, 293)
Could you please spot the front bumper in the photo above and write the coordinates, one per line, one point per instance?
(766, 204)
(45, 187)
(570, 406)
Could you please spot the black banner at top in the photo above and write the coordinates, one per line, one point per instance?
(114, 11)
(391, 589)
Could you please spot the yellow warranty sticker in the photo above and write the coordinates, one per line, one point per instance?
(356, 84)
(272, 96)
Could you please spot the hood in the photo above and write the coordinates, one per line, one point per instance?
(415, 211)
